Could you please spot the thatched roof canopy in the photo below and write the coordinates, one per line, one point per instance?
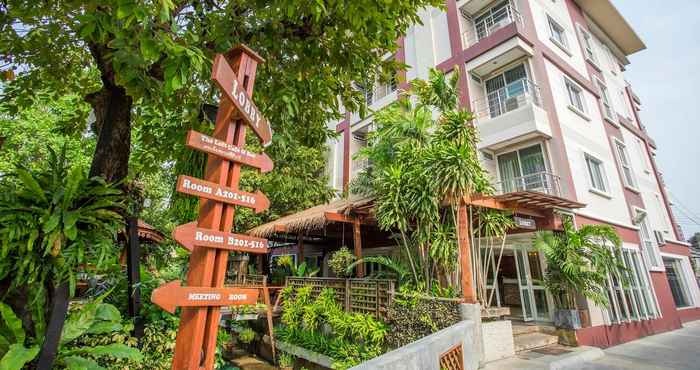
(313, 218)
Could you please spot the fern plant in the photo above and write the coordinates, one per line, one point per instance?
(54, 222)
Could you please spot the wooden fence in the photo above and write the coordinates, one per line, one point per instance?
(372, 296)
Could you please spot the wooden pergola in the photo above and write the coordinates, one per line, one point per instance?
(323, 220)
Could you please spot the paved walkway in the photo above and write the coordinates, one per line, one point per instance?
(677, 350)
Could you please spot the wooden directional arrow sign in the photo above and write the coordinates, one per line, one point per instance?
(205, 189)
(227, 80)
(172, 295)
(189, 236)
(208, 144)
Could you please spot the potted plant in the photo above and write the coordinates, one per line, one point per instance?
(578, 262)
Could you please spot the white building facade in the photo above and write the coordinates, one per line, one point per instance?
(556, 116)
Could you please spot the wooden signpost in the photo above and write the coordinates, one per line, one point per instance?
(189, 235)
(209, 238)
(173, 295)
(211, 145)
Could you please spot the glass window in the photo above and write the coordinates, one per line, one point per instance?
(596, 173)
(629, 291)
(588, 43)
(608, 110)
(623, 158)
(557, 32)
(651, 249)
(576, 98)
(492, 19)
(677, 282)
(506, 91)
(524, 169)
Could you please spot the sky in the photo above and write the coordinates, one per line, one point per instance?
(666, 77)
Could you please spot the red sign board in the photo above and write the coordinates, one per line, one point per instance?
(205, 189)
(222, 149)
(189, 236)
(227, 80)
(172, 295)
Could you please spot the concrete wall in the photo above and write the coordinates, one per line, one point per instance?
(424, 354)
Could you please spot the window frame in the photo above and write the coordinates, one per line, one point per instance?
(589, 51)
(623, 160)
(588, 158)
(570, 86)
(557, 34)
(650, 249)
(638, 298)
(686, 277)
(607, 106)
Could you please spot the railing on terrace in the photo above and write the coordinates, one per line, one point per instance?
(482, 27)
(515, 95)
(371, 296)
(541, 182)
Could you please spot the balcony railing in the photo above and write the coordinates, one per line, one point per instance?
(541, 182)
(486, 26)
(515, 95)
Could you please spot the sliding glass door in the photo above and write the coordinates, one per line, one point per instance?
(523, 169)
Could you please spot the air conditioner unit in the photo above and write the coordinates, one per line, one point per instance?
(500, 24)
(660, 237)
(511, 103)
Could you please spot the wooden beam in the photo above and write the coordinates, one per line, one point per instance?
(339, 217)
(357, 239)
(465, 259)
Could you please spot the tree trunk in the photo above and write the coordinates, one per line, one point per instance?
(59, 308)
(112, 109)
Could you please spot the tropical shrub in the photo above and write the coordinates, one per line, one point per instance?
(247, 335)
(54, 223)
(301, 270)
(322, 326)
(99, 320)
(340, 261)
(14, 353)
(420, 160)
(579, 262)
(413, 315)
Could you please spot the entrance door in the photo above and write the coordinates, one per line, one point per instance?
(526, 301)
(533, 296)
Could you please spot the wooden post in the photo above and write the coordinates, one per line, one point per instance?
(300, 246)
(465, 259)
(133, 257)
(347, 295)
(195, 345)
(357, 239)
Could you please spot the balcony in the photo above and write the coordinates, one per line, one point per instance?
(541, 182)
(479, 28)
(511, 114)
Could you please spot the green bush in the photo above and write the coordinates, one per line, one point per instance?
(247, 335)
(322, 326)
(413, 316)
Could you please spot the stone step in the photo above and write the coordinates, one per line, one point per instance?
(525, 329)
(520, 329)
(528, 341)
